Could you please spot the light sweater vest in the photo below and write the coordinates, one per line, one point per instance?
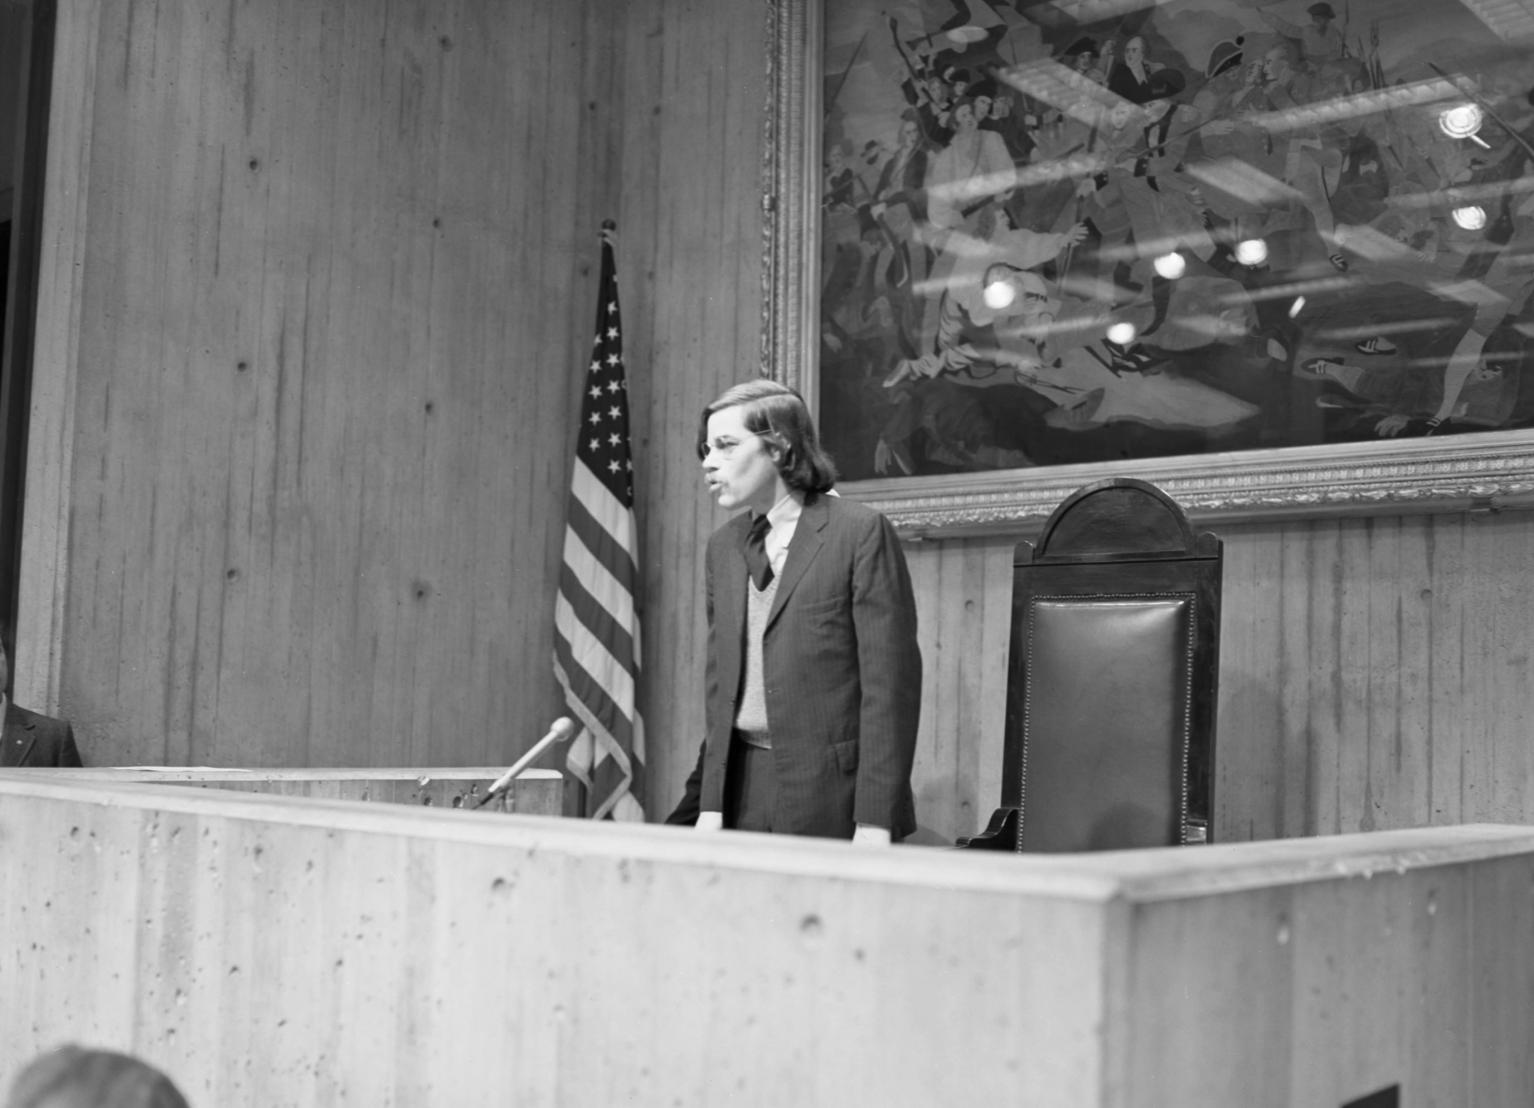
(751, 707)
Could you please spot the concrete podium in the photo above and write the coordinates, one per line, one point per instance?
(535, 792)
(269, 950)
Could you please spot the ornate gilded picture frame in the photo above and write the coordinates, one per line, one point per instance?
(1275, 257)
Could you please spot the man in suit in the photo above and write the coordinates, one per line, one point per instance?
(813, 683)
(30, 739)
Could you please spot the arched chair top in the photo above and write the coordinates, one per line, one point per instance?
(1117, 517)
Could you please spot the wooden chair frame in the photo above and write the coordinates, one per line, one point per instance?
(1115, 610)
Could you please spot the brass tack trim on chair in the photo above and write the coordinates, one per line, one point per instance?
(1187, 715)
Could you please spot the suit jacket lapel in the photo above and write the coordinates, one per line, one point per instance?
(730, 602)
(12, 752)
(801, 551)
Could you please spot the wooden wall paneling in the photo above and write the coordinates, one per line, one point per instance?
(37, 668)
(1375, 672)
(139, 554)
(583, 178)
(340, 552)
(331, 265)
(1339, 653)
(936, 742)
(963, 590)
(367, 359)
(636, 105)
(1289, 666)
(1499, 670)
(481, 396)
(1447, 558)
(1400, 750)
(262, 215)
(500, 499)
(1476, 709)
(695, 89)
(246, 358)
(281, 584)
(1252, 774)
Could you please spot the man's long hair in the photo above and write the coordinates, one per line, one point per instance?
(779, 415)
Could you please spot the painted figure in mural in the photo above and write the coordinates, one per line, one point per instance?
(1130, 76)
(1312, 212)
(899, 210)
(1321, 40)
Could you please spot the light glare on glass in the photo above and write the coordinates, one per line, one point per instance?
(1251, 251)
(999, 294)
(1461, 121)
(1171, 266)
(1471, 217)
(1122, 333)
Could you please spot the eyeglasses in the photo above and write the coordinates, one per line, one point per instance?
(724, 447)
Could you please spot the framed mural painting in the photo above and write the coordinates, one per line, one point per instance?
(1275, 256)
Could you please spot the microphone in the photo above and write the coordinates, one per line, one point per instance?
(562, 730)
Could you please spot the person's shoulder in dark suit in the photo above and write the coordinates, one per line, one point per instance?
(854, 514)
(33, 739)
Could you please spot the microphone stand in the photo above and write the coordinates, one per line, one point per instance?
(563, 730)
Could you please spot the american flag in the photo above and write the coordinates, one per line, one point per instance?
(596, 621)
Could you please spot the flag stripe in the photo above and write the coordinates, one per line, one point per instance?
(608, 591)
(593, 655)
(608, 779)
(593, 698)
(597, 620)
(603, 524)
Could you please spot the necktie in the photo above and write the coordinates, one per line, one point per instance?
(756, 552)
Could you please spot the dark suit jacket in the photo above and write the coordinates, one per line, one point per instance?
(841, 667)
(33, 740)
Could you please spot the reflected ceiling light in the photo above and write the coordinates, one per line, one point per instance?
(1251, 252)
(1297, 307)
(1508, 19)
(1472, 217)
(1122, 333)
(1461, 121)
(1363, 103)
(999, 294)
(1171, 266)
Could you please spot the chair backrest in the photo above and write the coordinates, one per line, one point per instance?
(1112, 678)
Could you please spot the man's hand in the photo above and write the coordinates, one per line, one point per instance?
(709, 821)
(869, 835)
